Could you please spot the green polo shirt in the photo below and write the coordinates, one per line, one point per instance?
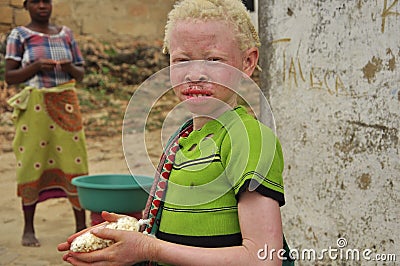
(213, 166)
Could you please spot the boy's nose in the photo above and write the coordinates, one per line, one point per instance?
(196, 71)
(196, 77)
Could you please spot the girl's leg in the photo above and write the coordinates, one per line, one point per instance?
(28, 238)
(80, 219)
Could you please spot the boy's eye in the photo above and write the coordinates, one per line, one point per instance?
(180, 60)
(214, 59)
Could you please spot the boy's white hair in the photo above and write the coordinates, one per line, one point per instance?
(231, 11)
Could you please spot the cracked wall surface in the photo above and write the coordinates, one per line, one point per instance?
(334, 90)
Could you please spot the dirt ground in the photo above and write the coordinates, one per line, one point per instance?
(54, 218)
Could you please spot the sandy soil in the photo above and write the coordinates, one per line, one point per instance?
(54, 218)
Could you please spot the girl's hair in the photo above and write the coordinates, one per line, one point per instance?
(230, 11)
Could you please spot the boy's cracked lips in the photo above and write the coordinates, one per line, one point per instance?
(196, 92)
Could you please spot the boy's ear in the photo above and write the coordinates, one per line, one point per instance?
(250, 60)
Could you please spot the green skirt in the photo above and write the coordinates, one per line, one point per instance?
(49, 142)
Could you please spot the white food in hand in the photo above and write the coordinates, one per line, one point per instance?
(88, 242)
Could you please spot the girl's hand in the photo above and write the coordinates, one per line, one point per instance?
(65, 65)
(44, 64)
(15, 74)
(76, 71)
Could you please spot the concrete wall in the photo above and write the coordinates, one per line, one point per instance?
(334, 89)
(103, 19)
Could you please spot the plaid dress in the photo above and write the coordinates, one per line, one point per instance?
(27, 46)
(49, 143)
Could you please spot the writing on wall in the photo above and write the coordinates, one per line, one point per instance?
(295, 75)
(298, 72)
(388, 12)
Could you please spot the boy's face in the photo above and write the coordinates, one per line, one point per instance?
(205, 84)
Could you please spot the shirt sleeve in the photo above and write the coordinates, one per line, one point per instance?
(77, 57)
(15, 47)
(254, 159)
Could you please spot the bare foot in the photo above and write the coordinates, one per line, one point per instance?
(29, 240)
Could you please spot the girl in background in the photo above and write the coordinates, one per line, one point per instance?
(49, 143)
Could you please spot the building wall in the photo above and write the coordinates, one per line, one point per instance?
(333, 84)
(103, 19)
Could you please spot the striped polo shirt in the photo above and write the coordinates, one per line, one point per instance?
(212, 167)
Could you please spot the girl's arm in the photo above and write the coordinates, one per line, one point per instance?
(77, 72)
(261, 227)
(15, 74)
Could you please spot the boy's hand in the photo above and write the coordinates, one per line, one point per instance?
(109, 217)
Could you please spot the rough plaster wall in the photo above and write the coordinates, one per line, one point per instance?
(334, 90)
(103, 19)
(115, 19)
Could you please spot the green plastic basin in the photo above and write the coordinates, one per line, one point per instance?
(120, 193)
